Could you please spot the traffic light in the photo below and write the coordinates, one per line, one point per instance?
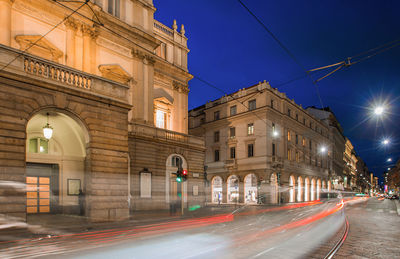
(184, 175)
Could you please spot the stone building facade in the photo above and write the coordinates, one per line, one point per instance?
(112, 82)
(262, 147)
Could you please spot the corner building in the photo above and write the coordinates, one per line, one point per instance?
(112, 82)
(262, 147)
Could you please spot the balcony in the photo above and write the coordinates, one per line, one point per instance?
(146, 131)
(29, 67)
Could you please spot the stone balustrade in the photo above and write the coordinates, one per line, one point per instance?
(29, 66)
(163, 134)
(161, 28)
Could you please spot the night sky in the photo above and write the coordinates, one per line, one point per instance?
(230, 50)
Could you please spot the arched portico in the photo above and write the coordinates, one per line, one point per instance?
(307, 189)
(318, 189)
(313, 189)
(250, 188)
(232, 189)
(274, 188)
(173, 189)
(299, 189)
(292, 189)
(55, 170)
(216, 190)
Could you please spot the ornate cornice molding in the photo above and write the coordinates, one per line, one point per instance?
(145, 57)
(72, 23)
(89, 30)
(182, 88)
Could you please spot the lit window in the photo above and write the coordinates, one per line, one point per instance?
(161, 119)
(304, 141)
(233, 110)
(38, 145)
(289, 154)
(252, 105)
(250, 129)
(289, 137)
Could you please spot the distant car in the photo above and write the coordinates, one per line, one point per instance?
(394, 197)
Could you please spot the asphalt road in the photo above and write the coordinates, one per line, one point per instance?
(293, 231)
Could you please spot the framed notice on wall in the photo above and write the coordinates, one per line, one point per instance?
(73, 186)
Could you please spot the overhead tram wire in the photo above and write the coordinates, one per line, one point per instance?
(34, 43)
(364, 56)
(285, 49)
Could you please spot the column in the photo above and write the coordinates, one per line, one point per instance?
(71, 27)
(5, 22)
(88, 34)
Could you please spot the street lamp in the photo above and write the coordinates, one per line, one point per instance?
(378, 110)
(323, 149)
(389, 159)
(385, 142)
(47, 129)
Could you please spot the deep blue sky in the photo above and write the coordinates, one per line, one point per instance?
(229, 49)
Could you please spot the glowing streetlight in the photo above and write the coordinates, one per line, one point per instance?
(275, 133)
(379, 110)
(47, 129)
(385, 142)
(389, 159)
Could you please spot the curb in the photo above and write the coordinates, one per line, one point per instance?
(397, 206)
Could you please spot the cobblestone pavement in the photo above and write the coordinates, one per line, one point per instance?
(374, 230)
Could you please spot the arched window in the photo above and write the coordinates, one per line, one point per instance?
(274, 188)
(299, 189)
(216, 185)
(250, 188)
(38, 145)
(292, 189)
(233, 189)
(176, 161)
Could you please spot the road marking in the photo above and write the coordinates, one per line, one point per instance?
(263, 252)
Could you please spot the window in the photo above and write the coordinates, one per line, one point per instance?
(250, 129)
(145, 185)
(233, 110)
(216, 155)
(273, 149)
(161, 119)
(289, 137)
(289, 154)
(304, 121)
(272, 103)
(39, 145)
(310, 144)
(297, 117)
(232, 152)
(297, 139)
(176, 161)
(252, 105)
(216, 136)
(216, 115)
(297, 156)
(273, 127)
(114, 7)
(250, 150)
(304, 141)
(289, 112)
(232, 132)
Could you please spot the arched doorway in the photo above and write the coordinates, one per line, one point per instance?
(233, 189)
(307, 189)
(323, 186)
(313, 183)
(318, 189)
(274, 188)
(55, 166)
(299, 189)
(250, 188)
(174, 191)
(292, 191)
(216, 186)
